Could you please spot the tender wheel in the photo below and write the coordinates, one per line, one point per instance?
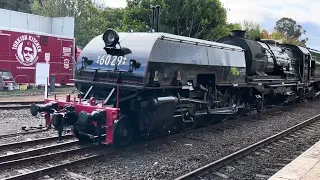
(80, 137)
(206, 121)
(259, 105)
(123, 132)
(246, 111)
(192, 122)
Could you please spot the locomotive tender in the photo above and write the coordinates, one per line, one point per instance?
(139, 84)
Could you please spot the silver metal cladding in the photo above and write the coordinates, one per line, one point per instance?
(183, 50)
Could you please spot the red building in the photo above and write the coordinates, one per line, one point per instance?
(28, 39)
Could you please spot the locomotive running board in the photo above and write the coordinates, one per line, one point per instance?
(225, 110)
(317, 94)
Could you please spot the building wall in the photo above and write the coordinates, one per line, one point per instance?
(12, 20)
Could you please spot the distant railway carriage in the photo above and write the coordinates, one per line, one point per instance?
(20, 51)
(37, 40)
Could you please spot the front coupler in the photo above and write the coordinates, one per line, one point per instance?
(88, 119)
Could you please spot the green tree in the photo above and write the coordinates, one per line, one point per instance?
(253, 29)
(79, 9)
(90, 20)
(204, 19)
(16, 5)
(90, 24)
(290, 30)
(113, 18)
(283, 39)
(222, 30)
(289, 27)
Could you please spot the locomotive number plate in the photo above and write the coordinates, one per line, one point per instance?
(111, 60)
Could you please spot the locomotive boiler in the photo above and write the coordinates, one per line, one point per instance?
(134, 85)
(277, 72)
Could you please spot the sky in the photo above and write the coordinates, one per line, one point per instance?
(267, 12)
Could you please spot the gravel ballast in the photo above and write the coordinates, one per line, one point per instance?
(27, 137)
(177, 157)
(40, 164)
(11, 121)
(265, 162)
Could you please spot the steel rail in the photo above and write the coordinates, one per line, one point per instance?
(62, 166)
(21, 102)
(24, 133)
(32, 142)
(18, 105)
(230, 158)
(43, 157)
(35, 151)
(15, 107)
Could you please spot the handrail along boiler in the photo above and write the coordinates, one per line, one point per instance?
(135, 85)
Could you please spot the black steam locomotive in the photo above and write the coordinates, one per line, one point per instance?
(138, 84)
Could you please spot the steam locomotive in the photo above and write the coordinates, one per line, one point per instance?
(139, 85)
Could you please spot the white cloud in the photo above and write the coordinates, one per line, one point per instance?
(259, 10)
(115, 3)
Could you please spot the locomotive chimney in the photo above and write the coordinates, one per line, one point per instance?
(239, 33)
(155, 22)
(153, 18)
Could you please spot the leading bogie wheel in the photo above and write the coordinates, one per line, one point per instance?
(123, 132)
(80, 137)
(247, 110)
(259, 105)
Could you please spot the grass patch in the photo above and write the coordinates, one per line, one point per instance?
(36, 91)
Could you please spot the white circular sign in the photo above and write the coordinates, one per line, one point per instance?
(27, 48)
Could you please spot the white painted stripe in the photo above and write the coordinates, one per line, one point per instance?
(3, 34)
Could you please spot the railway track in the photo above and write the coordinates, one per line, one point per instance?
(34, 158)
(17, 105)
(25, 132)
(245, 158)
(53, 158)
(58, 157)
(20, 149)
(50, 162)
(14, 157)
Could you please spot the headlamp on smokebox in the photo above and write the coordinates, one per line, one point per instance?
(110, 38)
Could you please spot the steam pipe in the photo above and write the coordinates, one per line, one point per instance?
(153, 18)
(155, 23)
(158, 18)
